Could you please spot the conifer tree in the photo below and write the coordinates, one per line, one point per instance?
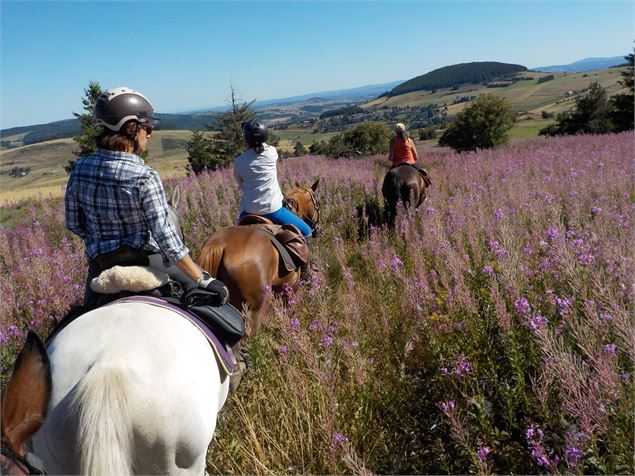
(299, 150)
(198, 149)
(87, 140)
(622, 115)
(227, 143)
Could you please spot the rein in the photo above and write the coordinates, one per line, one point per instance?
(20, 462)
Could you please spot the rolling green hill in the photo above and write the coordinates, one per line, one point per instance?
(457, 75)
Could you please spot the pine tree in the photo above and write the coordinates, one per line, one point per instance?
(299, 150)
(622, 115)
(227, 143)
(198, 149)
(90, 131)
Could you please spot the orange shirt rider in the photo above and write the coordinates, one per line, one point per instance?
(402, 151)
(402, 148)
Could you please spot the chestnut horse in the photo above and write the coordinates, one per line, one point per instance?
(403, 183)
(24, 407)
(244, 258)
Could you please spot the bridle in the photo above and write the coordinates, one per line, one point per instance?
(314, 220)
(26, 463)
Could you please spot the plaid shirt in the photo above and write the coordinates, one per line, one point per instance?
(113, 199)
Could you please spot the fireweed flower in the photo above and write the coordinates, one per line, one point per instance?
(522, 306)
(447, 406)
(482, 453)
(563, 305)
(488, 271)
(339, 439)
(327, 341)
(294, 324)
(496, 248)
(314, 326)
(596, 211)
(572, 456)
(610, 349)
(553, 234)
(462, 367)
(537, 323)
(499, 215)
(283, 350)
(396, 263)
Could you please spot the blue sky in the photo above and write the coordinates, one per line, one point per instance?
(183, 55)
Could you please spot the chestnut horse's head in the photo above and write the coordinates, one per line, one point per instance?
(24, 406)
(301, 201)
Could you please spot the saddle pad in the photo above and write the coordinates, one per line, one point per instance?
(222, 351)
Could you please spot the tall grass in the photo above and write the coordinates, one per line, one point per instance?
(490, 332)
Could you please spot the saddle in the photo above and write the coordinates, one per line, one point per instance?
(423, 172)
(223, 325)
(291, 245)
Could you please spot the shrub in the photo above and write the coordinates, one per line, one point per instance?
(590, 115)
(482, 125)
(364, 139)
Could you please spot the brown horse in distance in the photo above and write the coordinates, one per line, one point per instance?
(403, 183)
(244, 258)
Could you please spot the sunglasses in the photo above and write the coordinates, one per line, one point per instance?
(147, 127)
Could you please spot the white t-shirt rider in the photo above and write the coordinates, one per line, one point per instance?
(258, 179)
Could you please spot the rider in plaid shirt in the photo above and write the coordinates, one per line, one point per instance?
(117, 205)
(127, 203)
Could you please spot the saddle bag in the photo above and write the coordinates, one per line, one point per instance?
(227, 323)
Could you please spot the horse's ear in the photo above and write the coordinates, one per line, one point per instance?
(298, 184)
(26, 398)
(175, 198)
(315, 184)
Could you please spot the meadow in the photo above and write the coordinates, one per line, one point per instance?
(490, 332)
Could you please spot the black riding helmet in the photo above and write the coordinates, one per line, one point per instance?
(256, 133)
(117, 106)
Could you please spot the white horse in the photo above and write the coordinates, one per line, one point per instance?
(136, 390)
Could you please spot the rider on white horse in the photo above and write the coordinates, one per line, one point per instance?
(117, 204)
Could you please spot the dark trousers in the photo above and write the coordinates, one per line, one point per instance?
(128, 256)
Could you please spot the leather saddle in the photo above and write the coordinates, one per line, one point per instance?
(288, 240)
(114, 284)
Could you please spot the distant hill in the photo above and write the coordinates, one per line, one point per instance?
(587, 64)
(360, 94)
(26, 135)
(456, 75)
(198, 119)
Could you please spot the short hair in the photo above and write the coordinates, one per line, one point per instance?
(116, 141)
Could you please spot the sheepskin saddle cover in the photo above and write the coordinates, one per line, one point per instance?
(128, 278)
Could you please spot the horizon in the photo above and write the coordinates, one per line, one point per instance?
(184, 55)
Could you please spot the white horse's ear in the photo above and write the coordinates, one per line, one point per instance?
(175, 198)
(315, 184)
(26, 399)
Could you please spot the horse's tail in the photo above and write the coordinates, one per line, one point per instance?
(211, 256)
(395, 188)
(105, 428)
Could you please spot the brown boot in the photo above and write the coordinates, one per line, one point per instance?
(240, 372)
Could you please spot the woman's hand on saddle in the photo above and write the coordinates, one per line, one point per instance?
(215, 286)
